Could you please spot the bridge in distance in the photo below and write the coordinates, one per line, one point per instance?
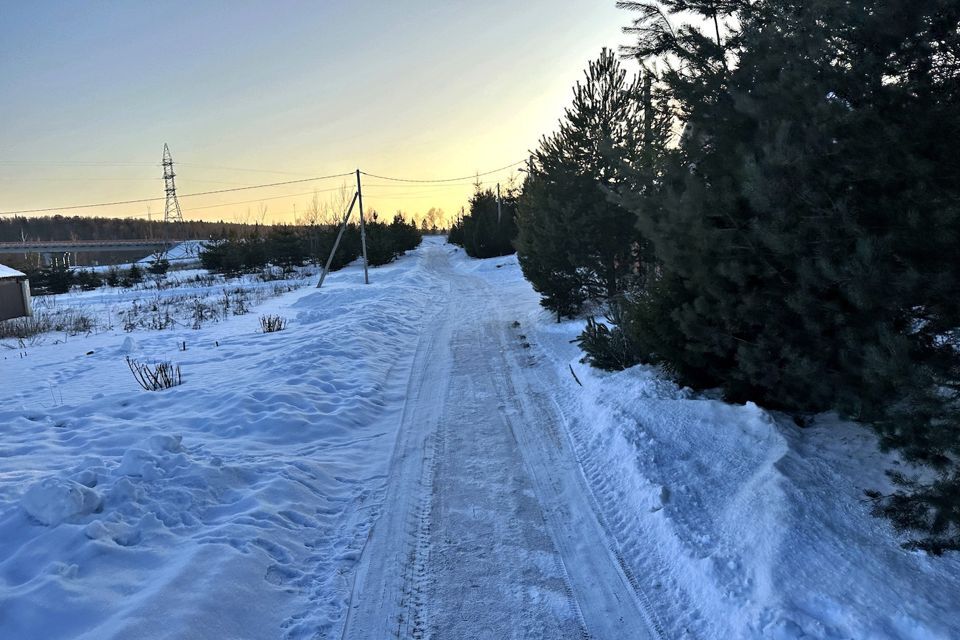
(79, 246)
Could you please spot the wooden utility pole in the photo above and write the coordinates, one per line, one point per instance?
(498, 203)
(363, 230)
(336, 243)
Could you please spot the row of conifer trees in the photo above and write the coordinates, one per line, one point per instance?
(289, 246)
(771, 207)
(489, 228)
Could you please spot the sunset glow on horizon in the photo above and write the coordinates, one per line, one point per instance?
(249, 93)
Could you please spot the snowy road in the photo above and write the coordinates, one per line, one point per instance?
(488, 529)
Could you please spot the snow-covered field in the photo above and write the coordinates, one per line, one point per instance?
(229, 507)
(438, 404)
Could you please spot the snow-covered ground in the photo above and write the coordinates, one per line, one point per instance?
(229, 507)
(413, 458)
(738, 523)
(182, 254)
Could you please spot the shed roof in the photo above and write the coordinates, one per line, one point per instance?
(7, 272)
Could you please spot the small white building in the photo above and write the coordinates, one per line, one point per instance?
(14, 294)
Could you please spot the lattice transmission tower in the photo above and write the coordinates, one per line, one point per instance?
(171, 212)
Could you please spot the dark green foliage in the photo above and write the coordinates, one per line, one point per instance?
(159, 266)
(608, 347)
(55, 279)
(286, 247)
(455, 235)
(386, 242)
(576, 242)
(134, 275)
(291, 246)
(405, 234)
(807, 229)
(380, 249)
(547, 248)
(58, 278)
(113, 278)
(235, 254)
(486, 231)
(87, 280)
(348, 251)
(931, 510)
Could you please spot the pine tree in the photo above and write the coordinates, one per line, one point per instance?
(135, 274)
(576, 242)
(488, 230)
(159, 266)
(113, 277)
(286, 247)
(57, 278)
(807, 228)
(545, 253)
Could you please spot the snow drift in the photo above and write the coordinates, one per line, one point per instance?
(231, 506)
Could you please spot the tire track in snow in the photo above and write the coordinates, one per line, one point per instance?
(487, 529)
(563, 483)
(377, 607)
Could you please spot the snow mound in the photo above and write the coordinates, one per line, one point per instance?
(55, 500)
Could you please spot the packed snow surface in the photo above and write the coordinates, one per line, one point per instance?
(414, 458)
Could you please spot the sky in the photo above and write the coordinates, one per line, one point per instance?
(248, 93)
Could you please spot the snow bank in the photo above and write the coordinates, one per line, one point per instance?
(737, 523)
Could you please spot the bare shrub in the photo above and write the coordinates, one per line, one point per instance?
(202, 312)
(269, 324)
(21, 328)
(161, 375)
(70, 321)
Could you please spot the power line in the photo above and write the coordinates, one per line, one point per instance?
(81, 163)
(237, 202)
(186, 195)
(222, 168)
(407, 185)
(263, 186)
(256, 186)
(280, 197)
(476, 175)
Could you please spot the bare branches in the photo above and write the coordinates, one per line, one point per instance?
(161, 375)
(269, 324)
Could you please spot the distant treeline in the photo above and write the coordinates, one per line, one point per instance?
(57, 228)
(249, 251)
(290, 246)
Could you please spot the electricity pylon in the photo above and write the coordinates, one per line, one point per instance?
(171, 212)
